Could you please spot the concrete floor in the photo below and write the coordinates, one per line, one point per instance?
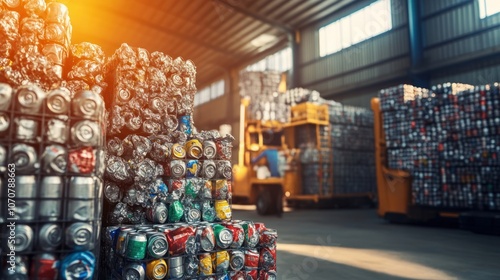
(356, 244)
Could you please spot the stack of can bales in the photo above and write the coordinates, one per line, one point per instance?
(447, 139)
(266, 103)
(168, 187)
(469, 147)
(351, 130)
(51, 148)
(411, 138)
(315, 154)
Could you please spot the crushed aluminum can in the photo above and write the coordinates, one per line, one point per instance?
(87, 104)
(177, 169)
(208, 169)
(51, 190)
(209, 149)
(112, 192)
(78, 265)
(26, 187)
(224, 169)
(86, 133)
(205, 236)
(192, 168)
(221, 189)
(222, 210)
(57, 101)
(158, 213)
(175, 268)
(181, 241)
(175, 212)
(19, 271)
(251, 234)
(50, 237)
(194, 149)
(135, 271)
(79, 236)
(192, 215)
(157, 244)
(55, 53)
(25, 158)
(223, 236)
(268, 275)
(220, 260)
(251, 259)
(54, 159)
(5, 96)
(136, 246)
(178, 151)
(24, 238)
(57, 131)
(26, 129)
(44, 266)
(267, 259)
(191, 266)
(82, 160)
(237, 260)
(156, 269)
(29, 99)
(206, 265)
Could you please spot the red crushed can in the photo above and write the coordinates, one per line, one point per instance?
(238, 234)
(178, 239)
(267, 258)
(237, 275)
(44, 266)
(268, 238)
(82, 160)
(251, 259)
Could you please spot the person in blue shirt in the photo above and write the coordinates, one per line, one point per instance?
(271, 156)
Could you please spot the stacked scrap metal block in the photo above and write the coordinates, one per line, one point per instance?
(168, 187)
(51, 148)
(469, 148)
(266, 103)
(447, 139)
(351, 130)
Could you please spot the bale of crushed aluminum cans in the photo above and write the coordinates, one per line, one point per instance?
(168, 178)
(51, 140)
(149, 94)
(228, 250)
(266, 103)
(351, 130)
(51, 163)
(447, 139)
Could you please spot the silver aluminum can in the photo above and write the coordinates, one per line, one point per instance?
(25, 158)
(224, 169)
(51, 187)
(157, 244)
(5, 96)
(26, 129)
(177, 168)
(4, 123)
(25, 210)
(192, 215)
(208, 169)
(87, 104)
(79, 236)
(209, 149)
(57, 101)
(19, 271)
(82, 187)
(80, 210)
(86, 133)
(206, 237)
(24, 238)
(29, 99)
(175, 261)
(134, 271)
(50, 237)
(237, 260)
(54, 159)
(57, 131)
(112, 192)
(26, 186)
(158, 213)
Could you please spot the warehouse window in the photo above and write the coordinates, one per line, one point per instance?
(488, 8)
(280, 61)
(211, 92)
(361, 25)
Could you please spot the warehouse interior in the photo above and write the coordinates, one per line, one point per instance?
(350, 139)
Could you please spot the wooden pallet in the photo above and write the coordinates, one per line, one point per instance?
(310, 112)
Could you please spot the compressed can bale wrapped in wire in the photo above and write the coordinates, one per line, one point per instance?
(149, 93)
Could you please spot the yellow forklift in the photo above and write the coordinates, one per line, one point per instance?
(272, 143)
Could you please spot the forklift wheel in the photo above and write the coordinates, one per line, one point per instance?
(263, 202)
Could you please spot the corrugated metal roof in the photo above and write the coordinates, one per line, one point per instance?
(214, 34)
